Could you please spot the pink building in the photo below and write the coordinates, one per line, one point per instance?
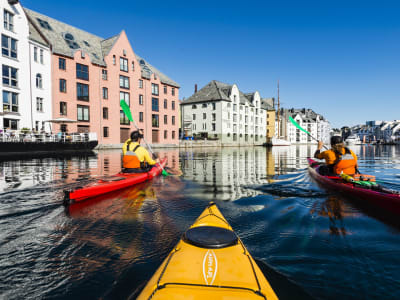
(91, 74)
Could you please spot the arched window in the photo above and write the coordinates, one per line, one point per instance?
(39, 81)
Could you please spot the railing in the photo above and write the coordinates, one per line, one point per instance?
(17, 136)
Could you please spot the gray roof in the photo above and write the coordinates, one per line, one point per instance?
(215, 91)
(267, 103)
(34, 35)
(66, 39)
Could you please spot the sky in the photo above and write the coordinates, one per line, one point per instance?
(339, 58)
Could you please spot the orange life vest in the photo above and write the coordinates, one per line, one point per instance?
(345, 163)
(130, 160)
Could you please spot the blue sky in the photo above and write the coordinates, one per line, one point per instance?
(340, 58)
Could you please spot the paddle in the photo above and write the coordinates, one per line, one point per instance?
(128, 113)
(302, 129)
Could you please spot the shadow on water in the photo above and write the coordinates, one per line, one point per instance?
(292, 190)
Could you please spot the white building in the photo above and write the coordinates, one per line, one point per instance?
(221, 111)
(309, 120)
(20, 88)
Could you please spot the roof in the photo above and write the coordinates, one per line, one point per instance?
(268, 103)
(216, 91)
(35, 36)
(66, 40)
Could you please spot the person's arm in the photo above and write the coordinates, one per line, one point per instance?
(317, 153)
(148, 159)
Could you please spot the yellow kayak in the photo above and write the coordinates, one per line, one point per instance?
(209, 262)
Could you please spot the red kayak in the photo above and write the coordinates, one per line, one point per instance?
(386, 199)
(111, 183)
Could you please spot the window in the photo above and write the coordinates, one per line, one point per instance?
(45, 24)
(173, 134)
(10, 102)
(165, 134)
(63, 127)
(204, 116)
(154, 104)
(39, 104)
(194, 117)
(165, 103)
(173, 105)
(234, 107)
(154, 89)
(133, 66)
(105, 113)
(83, 113)
(63, 86)
(234, 98)
(194, 106)
(105, 93)
(125, 96)
(82, 91)
(114, 61)
(173, 120)
(61, 63)
(37, 125)
(213, 126)
(214, 106)
(140, 83)
(204, 105)
(8, 46)
(165, 89)
(104, 74)
(41, 56)
(228, 105)
(8, 20)
(141, 99)
(39, 83)
(10, 123)
(105, 132)
(10, 76)
(165, 119)
(140, 116)
(154, 120)
(123, 82)
(173, 91)
(234, 117)
(63, 108)
(123, 119)
(214, 116)
(123, 64)
(82, 72)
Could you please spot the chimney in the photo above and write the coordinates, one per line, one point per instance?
(195, 88)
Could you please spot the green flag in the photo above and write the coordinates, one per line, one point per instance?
(297, 125)
(126, 109)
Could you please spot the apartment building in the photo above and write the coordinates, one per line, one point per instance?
(26, 65)
(222, 112)
(91, 74)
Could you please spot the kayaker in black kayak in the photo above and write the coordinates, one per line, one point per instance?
(338, 159)
(136, 159)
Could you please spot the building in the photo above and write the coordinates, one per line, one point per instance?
(91, 74)
(26, 65)
(269, 105)
(222, 112)
(314, 123)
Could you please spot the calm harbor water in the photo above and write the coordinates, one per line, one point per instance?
(304, 238)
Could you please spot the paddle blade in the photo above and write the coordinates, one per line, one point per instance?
(164, 173)
(126, 109)
(297, 125)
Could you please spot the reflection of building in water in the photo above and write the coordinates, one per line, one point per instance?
(227, 171)
(292, 158)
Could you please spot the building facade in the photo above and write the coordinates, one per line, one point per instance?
(91, 75)
(222, 112)
(25, 64)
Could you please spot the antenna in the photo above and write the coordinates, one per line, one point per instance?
(279, 124)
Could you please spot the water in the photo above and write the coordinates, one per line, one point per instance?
(304, 238)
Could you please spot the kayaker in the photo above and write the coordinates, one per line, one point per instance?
(338, 159)
(136, 159)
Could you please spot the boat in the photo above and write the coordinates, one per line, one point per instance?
(209, 262)
(380, 197)
(111, 183)
(353, 140)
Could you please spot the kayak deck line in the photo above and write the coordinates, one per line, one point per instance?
(110, 184)
(210, 261)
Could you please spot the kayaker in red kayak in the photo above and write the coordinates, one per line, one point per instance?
(136, 159)
(338, 159)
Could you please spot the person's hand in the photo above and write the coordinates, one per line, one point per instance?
(158, 160)
(320, 145)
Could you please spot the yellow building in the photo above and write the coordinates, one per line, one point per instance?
(269, 105)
